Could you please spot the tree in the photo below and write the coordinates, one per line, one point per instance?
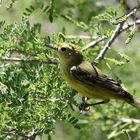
(34, 97)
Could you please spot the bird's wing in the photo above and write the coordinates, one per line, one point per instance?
(98, 80)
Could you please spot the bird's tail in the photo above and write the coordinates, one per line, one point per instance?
(136, 104)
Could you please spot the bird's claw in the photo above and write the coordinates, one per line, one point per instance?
(84, 107)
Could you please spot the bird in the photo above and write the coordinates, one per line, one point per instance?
(87, 79)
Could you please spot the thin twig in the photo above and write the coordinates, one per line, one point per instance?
(123, 120)
(128, 5)
(14, 133)
(127, 26)
(109, 42)
(127, 134)
(115, 34)
(116, 119)
(79, 36)
(93, 43)
(30, 136)
(48, 100)
(100, 39)
(27, 60)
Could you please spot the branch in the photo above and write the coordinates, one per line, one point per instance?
(93, 43)
(109, 42)
(79, 36)
(127, 26)
(123, 120)
(30, 136)
(114, 35)
(129, 5)
(49, 100)
(27, 60)
(14, 133)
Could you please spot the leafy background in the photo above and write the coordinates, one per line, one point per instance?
(35, 102)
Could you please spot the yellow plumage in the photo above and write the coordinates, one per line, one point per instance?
(87, 79)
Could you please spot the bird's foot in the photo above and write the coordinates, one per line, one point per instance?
(84, 107)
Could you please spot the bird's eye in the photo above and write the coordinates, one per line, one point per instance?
(63, 49)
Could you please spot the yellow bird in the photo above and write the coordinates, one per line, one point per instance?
(87, 79)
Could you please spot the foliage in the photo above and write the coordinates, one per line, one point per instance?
(34, 97)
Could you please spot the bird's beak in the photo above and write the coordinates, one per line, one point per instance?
(52, 47)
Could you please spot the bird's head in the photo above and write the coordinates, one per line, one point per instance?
(68, 54)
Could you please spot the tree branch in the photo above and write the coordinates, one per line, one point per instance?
(128, 6)
(79, 36)
(123, 120)
(114, 35)
(109, 42)
(116, 119)
(127, 26)
(93, 43)
(30, 136)
(27, 60)
(14, 133)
